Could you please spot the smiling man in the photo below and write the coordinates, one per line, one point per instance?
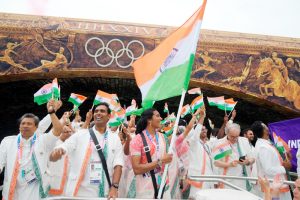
(25, 156)
(87, 176)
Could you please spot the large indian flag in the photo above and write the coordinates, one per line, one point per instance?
(197, 103)
(77, 99)
(228, 105)
(216, 101)
(43, 95)
(166, 71)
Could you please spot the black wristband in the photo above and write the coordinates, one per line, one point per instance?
(53, 111)
(115, 185)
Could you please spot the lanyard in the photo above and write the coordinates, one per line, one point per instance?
(20, 147)
(103, 142)
(157, 142)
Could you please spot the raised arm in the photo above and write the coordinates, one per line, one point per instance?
(57, 126)
(221, 132)
(190, 126)
(127, 142)
(88, 119)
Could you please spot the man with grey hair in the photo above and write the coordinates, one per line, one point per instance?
(233, 156)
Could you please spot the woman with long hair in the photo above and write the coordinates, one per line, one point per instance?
(149, 141)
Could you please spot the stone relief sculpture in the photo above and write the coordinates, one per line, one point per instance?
(277, 82)
(14, 67)
(237, 80)
(60, 60)
(206, 64)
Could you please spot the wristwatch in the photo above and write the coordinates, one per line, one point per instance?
(115, 185)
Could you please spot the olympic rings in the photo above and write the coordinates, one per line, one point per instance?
(114, 55)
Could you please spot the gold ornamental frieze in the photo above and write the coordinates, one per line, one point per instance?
(262, 69)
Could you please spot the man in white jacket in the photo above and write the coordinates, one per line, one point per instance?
(233, 156)
(24, 157)
(269, 162)
(87, 177)
(199, 154)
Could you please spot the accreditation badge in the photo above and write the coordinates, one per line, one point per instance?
(95, 172)
(28, 175)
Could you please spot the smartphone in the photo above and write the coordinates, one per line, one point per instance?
(242, 158)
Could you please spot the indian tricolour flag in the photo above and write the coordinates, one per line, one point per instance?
(168, 119)
(166, 108)
(185, 110)
(228, 105)
(280, 144)
(131, 109)
(216, 101)
(168, 130)
(43, 95)
(197, 103)
(221, 151)
(195, 91)
(77, 99)
(117, 118)
(111, 99)
(102, 97)
(55, 89)
(166, 71)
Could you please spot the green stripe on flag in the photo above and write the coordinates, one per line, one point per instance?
(223, 107)
(42, 98)
(197, 106)
(223, 154)
(213, 104)
(96, 102)
(74, 102)
(171, 82)
(56, 93)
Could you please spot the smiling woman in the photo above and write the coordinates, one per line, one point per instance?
(149, 156)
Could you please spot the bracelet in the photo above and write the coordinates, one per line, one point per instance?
(115, 185)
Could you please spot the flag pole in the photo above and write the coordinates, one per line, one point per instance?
(232, 108)
(163, 181)
(225, 110)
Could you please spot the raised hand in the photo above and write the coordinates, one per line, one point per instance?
(56, 154)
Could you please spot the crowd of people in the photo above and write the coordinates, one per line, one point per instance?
(91, 159)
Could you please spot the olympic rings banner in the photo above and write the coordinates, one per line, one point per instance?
(111, 51)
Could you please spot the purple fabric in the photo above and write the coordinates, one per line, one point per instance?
(289, 131)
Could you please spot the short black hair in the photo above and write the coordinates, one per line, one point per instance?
(106, 105)
(214, 132)
(258, 129)
(32, 116)
(245, 131)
